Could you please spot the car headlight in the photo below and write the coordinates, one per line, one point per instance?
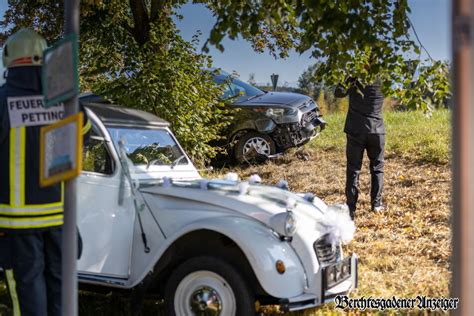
(275, 112)
(284, 224)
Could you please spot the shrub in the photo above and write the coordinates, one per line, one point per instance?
(164, 76)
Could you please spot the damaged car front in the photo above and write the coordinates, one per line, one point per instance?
(267, 122)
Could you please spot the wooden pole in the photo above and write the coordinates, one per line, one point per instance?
(463, 158)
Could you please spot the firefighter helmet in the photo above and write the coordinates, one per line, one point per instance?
(24, 48)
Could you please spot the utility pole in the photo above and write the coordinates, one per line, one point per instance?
(462, 285)
(69, 251)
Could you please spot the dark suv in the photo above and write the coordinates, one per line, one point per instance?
(268, 122)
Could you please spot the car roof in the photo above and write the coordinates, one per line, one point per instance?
(113, 114)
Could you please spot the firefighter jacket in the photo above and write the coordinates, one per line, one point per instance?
(24, 205)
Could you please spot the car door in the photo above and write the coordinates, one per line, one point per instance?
(105, 221)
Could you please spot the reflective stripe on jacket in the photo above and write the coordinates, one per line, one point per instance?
(24, 205)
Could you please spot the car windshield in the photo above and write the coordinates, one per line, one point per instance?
(148, 146)
(236, 87)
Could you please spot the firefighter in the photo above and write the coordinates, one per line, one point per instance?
(31, 216)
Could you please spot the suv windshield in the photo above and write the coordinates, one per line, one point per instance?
(236, 87)
(148, 146)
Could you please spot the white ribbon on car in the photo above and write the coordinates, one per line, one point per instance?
(338, 224)
(244, 187)
(231, 176)
(255, 178)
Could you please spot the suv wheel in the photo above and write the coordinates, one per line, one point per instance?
(208, 286)
(254, 146)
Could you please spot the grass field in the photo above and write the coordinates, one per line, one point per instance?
(403, 252)
(410, 135)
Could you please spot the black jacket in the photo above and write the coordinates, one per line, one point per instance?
(365, 108)
(24, 205)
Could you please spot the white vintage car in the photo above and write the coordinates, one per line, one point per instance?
(150, 224)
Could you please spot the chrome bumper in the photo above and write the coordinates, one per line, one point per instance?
(308, 300)
(297, 303)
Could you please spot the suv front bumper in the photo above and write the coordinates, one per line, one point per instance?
(297, 134)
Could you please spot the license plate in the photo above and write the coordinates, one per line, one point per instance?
(337, 273)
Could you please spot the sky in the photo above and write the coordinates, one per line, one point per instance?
(431, 19)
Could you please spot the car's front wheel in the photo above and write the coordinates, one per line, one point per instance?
(254, 146)
(208, 286)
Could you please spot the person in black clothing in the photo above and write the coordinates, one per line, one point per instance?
(365, 130)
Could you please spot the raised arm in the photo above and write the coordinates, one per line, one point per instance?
(340, 91)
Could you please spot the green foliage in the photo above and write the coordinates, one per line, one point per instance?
(318, 90)
(308, 84)
(147, 154)
(164, 77)
(321, 101)
(425, 90)
(429, 90)
(328, 103)
(132, 53)
(411, 135)
(94, 156)
(45, 17)
(342, 105)
(365, 39)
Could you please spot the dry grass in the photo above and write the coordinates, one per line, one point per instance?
(406, 250)
(403, 252)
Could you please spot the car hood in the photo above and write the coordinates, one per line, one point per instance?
(275, 98)
(259, 202)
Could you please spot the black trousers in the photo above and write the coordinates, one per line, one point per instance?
(5, 255)
(35, 281)
(356, 145)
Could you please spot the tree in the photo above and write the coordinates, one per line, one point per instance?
(347, 35)
(429, 89)
(308, 82)
(132, 53)
(425, 85)
(367, 39)
(121, 41)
